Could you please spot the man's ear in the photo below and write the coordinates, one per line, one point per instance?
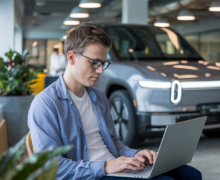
(71, 56)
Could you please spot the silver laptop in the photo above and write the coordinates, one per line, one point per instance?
(176, 149)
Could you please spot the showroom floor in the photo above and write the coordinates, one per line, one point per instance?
(206, 157)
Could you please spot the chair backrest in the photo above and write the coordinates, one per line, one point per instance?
(3, 136)
(49, 80)
(29, 145)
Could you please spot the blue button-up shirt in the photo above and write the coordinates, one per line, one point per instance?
(55, 121)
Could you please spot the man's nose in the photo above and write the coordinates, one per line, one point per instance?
(100, 69)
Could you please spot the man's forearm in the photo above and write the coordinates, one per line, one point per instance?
(73, 170)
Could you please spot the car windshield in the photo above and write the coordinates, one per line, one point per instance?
(149, 43)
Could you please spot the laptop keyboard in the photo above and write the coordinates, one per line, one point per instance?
(141, 173)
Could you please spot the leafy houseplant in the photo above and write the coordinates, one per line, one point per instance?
(16, 75)
(39, 166)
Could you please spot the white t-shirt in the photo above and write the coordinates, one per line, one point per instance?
(98, 150)
(62, 64)
(54, 64)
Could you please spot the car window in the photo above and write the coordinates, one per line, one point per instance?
(143, 43)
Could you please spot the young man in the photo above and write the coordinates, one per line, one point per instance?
(72, 111)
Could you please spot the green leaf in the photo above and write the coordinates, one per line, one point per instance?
(9, 54)
(1, 61)
(14, 83)
(25, 53)
(18, 59)
(10, 158)
(38, 160)
(27, 59)
(6, 91)
(49, 172)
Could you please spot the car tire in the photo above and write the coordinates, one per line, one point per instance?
(123, 115)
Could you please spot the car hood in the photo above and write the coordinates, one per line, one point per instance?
(181, 70)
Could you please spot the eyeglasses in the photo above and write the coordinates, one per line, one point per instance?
(96, 63)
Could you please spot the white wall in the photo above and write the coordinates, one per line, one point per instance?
(6, 26)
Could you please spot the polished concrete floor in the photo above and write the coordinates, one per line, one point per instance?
(206, 157)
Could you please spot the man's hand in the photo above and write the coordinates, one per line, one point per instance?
(146, 156)
(121, 163)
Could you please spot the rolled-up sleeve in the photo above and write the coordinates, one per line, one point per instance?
(45, 133)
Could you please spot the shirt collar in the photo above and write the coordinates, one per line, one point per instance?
(63, 93)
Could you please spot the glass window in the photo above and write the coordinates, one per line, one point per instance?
(210, 45)
(193, 40)
(147, 43)
(37, 50)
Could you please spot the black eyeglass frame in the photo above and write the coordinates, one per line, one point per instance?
(101, 62)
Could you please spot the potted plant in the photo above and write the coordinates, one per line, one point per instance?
(39, 166)
(16, 78)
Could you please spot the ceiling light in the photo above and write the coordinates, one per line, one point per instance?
(89, 4)
(161, 23)
(70, 21)
(215, 6)
(40, 3)
(78, 12)
(185, 15)
(34, 43)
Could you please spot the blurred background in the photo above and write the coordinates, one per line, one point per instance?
(40, 27)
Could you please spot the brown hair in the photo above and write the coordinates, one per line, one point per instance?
(83, 36)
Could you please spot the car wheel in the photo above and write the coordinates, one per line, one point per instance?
(123, 115)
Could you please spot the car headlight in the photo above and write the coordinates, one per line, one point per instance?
(155, 84)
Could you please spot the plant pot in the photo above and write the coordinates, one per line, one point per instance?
(15, 111)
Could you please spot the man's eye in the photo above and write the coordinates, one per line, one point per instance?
(95, 62)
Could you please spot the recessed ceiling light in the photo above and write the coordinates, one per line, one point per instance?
(78, 12)
(89, 4)
(215, 6)
(70, 21)
(185, 15)
(161, 23)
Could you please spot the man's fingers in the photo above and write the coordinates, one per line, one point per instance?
(140, 158)
(148, 154)
(128, 166)
(154, 155)
(135, 162)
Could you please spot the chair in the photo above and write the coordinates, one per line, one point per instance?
(49, 80)
(3, 137)
(29, 145)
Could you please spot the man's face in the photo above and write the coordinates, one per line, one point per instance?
(81, 68)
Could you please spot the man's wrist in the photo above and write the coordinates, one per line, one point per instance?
(98, 168)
